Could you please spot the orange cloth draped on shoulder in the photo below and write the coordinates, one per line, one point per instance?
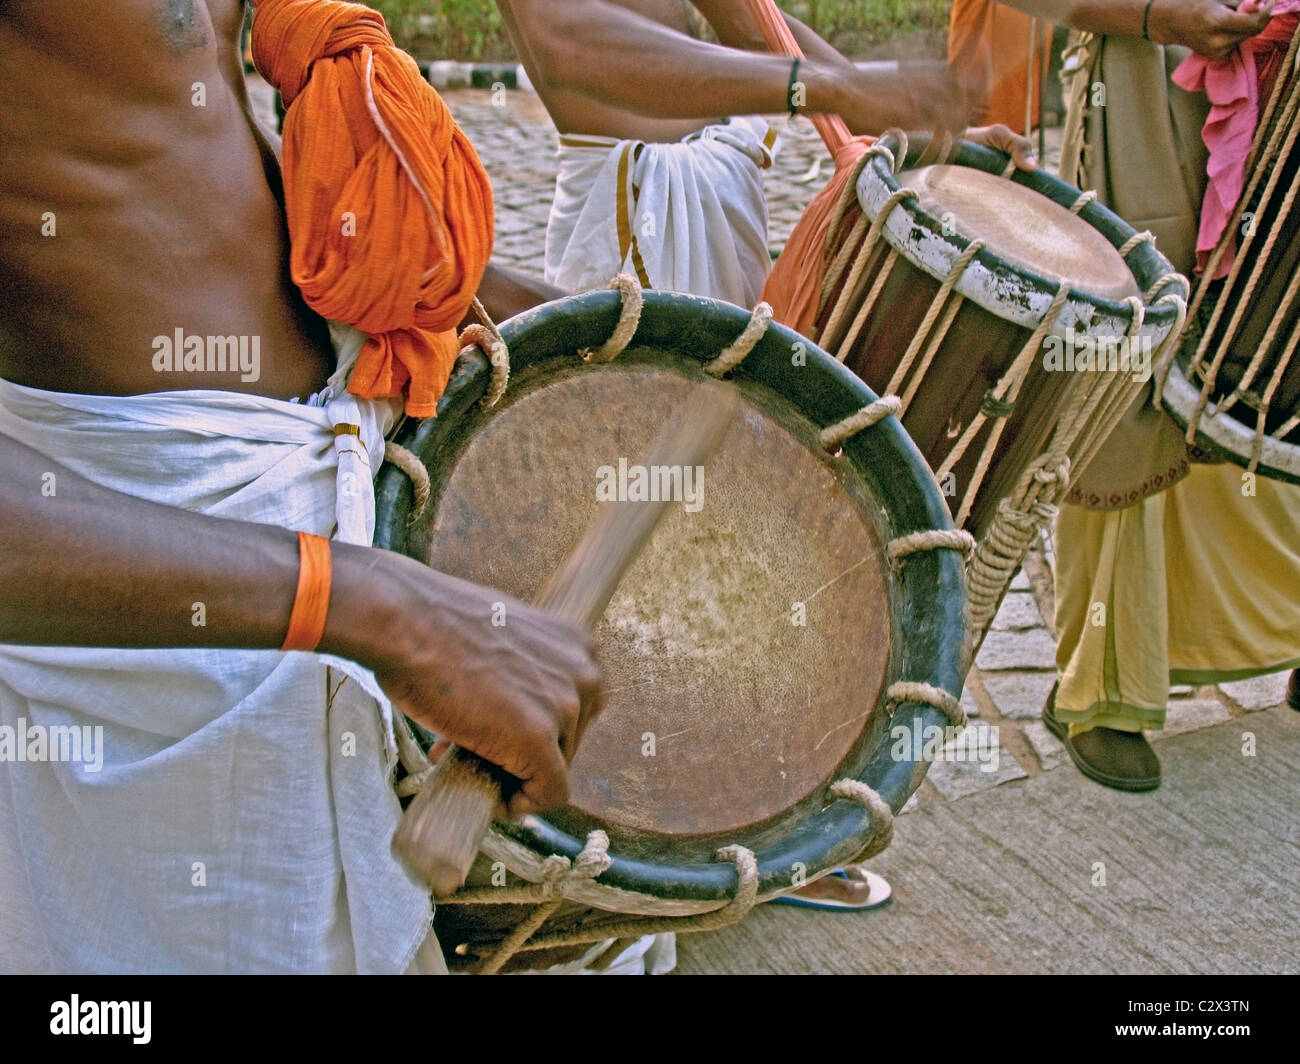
(389, 209)
(988, 46)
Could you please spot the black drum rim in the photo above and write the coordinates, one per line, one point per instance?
(931, 583)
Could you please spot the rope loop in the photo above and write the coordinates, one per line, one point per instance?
(882, 817)
(833, 435)
(421, 488)
(927, 695)
(629, 318)
(929, 539)
(732, 356)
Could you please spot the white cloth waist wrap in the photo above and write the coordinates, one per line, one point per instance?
(683, 217)
(242, 816)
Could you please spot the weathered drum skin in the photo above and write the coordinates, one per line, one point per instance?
(1031, 243)
(726, 719)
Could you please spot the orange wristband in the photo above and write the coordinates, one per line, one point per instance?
(312, 602)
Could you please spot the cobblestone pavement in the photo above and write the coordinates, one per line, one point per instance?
(1015, 668)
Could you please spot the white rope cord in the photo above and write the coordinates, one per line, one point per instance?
(1005, 392)
(1168, 351)
(927, 324)
(1266, 401)
(1164, 280)
(1105, 398)
(833, 435)
(859, 265)
(414, 469)
(930, 539)
(1270, 140)
(1136, 241)
(1275, 97)
(629, 317)
(1265, 346)
(849, 248)
(560, 874)
(1197, 365)
(882, 817)
(489, 339)
(996, 558)
(1008, 170)
(732, 356)
(927, 695)
(1084, 199)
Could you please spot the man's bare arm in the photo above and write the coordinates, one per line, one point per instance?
(601, 51)
(81, 565)
(1205, 26)
(735, 28)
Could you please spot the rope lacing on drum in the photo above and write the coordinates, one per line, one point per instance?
(833, 435)
(925, 694)
(629, 317)
(1280, 142)
(1084, 199)
(882, 817)
(732, 356)
(1136, 241)
(484, 335)
(929, 539)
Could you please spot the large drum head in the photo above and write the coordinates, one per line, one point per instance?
(748, 650)
(744, 651)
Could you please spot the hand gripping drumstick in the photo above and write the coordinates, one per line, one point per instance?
(441, 831)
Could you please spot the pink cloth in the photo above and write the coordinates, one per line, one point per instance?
(1233, 88)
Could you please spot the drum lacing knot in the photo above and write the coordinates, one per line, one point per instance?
(559, 873)
(926, 694)
(930, 539)
(882, 817)
(1056, 474)
(992, 406)
(488, 337)
(834, 435)
(629, 318)
(733, 355)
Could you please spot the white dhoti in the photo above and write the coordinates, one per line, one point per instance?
(683, 217)
(242, 815)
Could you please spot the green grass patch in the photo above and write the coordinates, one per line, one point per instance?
(472, 30)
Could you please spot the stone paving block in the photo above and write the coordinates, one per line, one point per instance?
(911, 805)
(1260, 692)
(1018, 610)
(957, 779)
(1190, 715)
(1049, 750)
(1020, 582)
(1019, 695)
(968, 703)
(1032, 649)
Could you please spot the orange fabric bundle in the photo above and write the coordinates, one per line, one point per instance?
(390, 211)
(989, 46)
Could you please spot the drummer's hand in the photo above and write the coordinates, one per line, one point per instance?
(1001, 138)
(1214, 29)
(915, 97)
(518, 692)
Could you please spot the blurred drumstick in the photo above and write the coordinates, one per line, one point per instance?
(443, 827)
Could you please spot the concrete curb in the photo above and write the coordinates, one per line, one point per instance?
(449, 74)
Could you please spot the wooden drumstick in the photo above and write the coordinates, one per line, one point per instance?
(443, 827)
